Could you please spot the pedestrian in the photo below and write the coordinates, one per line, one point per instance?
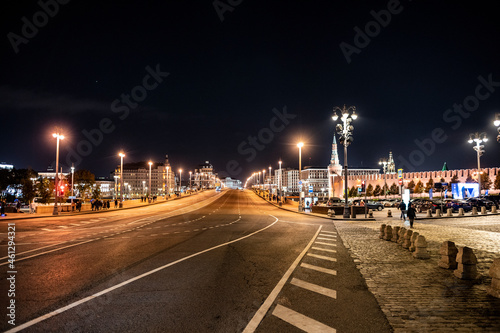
(108, 204)
(116, 203)
(402, 207)
(18, 206)
(2, 208)
(411, 214)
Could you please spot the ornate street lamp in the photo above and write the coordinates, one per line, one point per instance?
(58, 136)
(300, 145)
(384, 163)
(478, 138)
(497, 124)
(122, 155)
(149, 188)
(345, 131)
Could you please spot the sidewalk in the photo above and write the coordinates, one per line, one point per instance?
(132, 204)
(417, 295)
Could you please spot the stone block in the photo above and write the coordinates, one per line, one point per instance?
(474, 210)
(401, 238)
(429, 213)
(460, 212)
(493, 209)
(414, 237)
(388, 233)
(466, 256)
(438, 213)
(389, 213)
(395, 234)
(448, 253)
(382, 231)
(421, 248)
(483, 210)
(466, 268)
(407, 239)
(449, 212)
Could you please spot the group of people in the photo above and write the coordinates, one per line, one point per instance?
(144, 199)
(410, 212)
(99, 204)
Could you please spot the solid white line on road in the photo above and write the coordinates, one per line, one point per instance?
(314, 287)
(124, 283)
(259, 315)
(321, 257)
(319, 269)
(323, 243)
(321, 249)
(328, 239)
(300, 321)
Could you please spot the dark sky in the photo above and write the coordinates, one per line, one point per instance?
(225, 77)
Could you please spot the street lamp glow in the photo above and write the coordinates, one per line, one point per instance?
(58, 136)
(149, 188)
(122, 155)
(180, 180)
(300, 144)
(478, 138)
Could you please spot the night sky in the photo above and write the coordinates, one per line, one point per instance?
(207, 79)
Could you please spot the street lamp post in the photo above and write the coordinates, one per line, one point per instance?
(300, 145)
(190, 173)
(496, 122)
(72, 184)
(264, 179)
(270, 188)
(168, 183)
(58, 136)
(384, 162)
(149, 188)
(478, 138)
(180, 180)
(279, 182)
(122, 155)
(345, 131)
(143, 187)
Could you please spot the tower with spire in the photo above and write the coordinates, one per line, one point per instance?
(391, 166)
(334, 170)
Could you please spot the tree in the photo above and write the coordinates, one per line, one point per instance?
(419, 188)
(429, 185)
(470, 179)
(84, 180)
(385, 189)
(377, 190)
(485, 181)
(394, 188)
(96, 192)
(353, 191)
(45, 188)
(454, 179)
(497, 181)
(369, 190)
(411, 186)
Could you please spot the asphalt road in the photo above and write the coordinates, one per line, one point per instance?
(216, 262)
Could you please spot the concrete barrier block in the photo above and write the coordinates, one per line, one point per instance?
(414, 237)
(421, 248)
(494, 289)
(395, 234)
(466, 268)
(388, 233)
(382, 231)
(448, 253)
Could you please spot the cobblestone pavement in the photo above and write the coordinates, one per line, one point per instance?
(417, 295)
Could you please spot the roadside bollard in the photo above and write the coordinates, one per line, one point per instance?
(370, 213)
(353, 212)
(421, 248)
(414, 237)
(460, 211)
(494, 289)
(331, 213)
(483, 210)
(474, 210)
(448, 253)
(388, 233)
(467, 261)
(429, 213)
(449, 212)
(401, 237)
(493, 209)
(389, 213)
(407, 239)
(438, 213)
(382, 231)
(395, 234)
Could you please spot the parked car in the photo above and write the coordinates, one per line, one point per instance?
(494, 198)
(455, 204)
(423, 205)
(375, 205)
(478, 203)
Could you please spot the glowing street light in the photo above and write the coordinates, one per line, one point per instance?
(345, 131)
(149, 189)
(122, 155)
(497, 124)
(58, 136)
(478, 138)
(190, 173)
(300, 145)
(180, 180)
(384, 162)
(279, 182)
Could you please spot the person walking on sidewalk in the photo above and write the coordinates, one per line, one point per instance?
(402, 207)
(411, 214)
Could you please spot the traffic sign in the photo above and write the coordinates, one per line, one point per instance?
(300, 182)
(310, 189)
(400, 173)
(400, 181)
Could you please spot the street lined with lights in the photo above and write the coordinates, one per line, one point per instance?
(214, 260)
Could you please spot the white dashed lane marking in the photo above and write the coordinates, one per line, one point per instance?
(299, 320)
(314, 287)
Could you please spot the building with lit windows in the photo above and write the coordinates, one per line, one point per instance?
(204, 176)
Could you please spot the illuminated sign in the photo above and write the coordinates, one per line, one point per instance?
(465, 190)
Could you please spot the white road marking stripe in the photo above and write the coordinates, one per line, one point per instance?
(261, 312)
(47, 229)
(328, 239)
(323, 243)
(319, 269)
(326, 250)
(329, 232)
(321, 257)
(314, 287)
(330, 236)
(62, 226)
(124, 283)
(300, 321)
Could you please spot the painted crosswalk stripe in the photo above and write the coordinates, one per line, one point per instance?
(314, 287)
(323, 243)
(321, 257)
(321, 249)
(319, 269)
(327, 235)
(300, 321)
(328, 239)
(328, 232)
